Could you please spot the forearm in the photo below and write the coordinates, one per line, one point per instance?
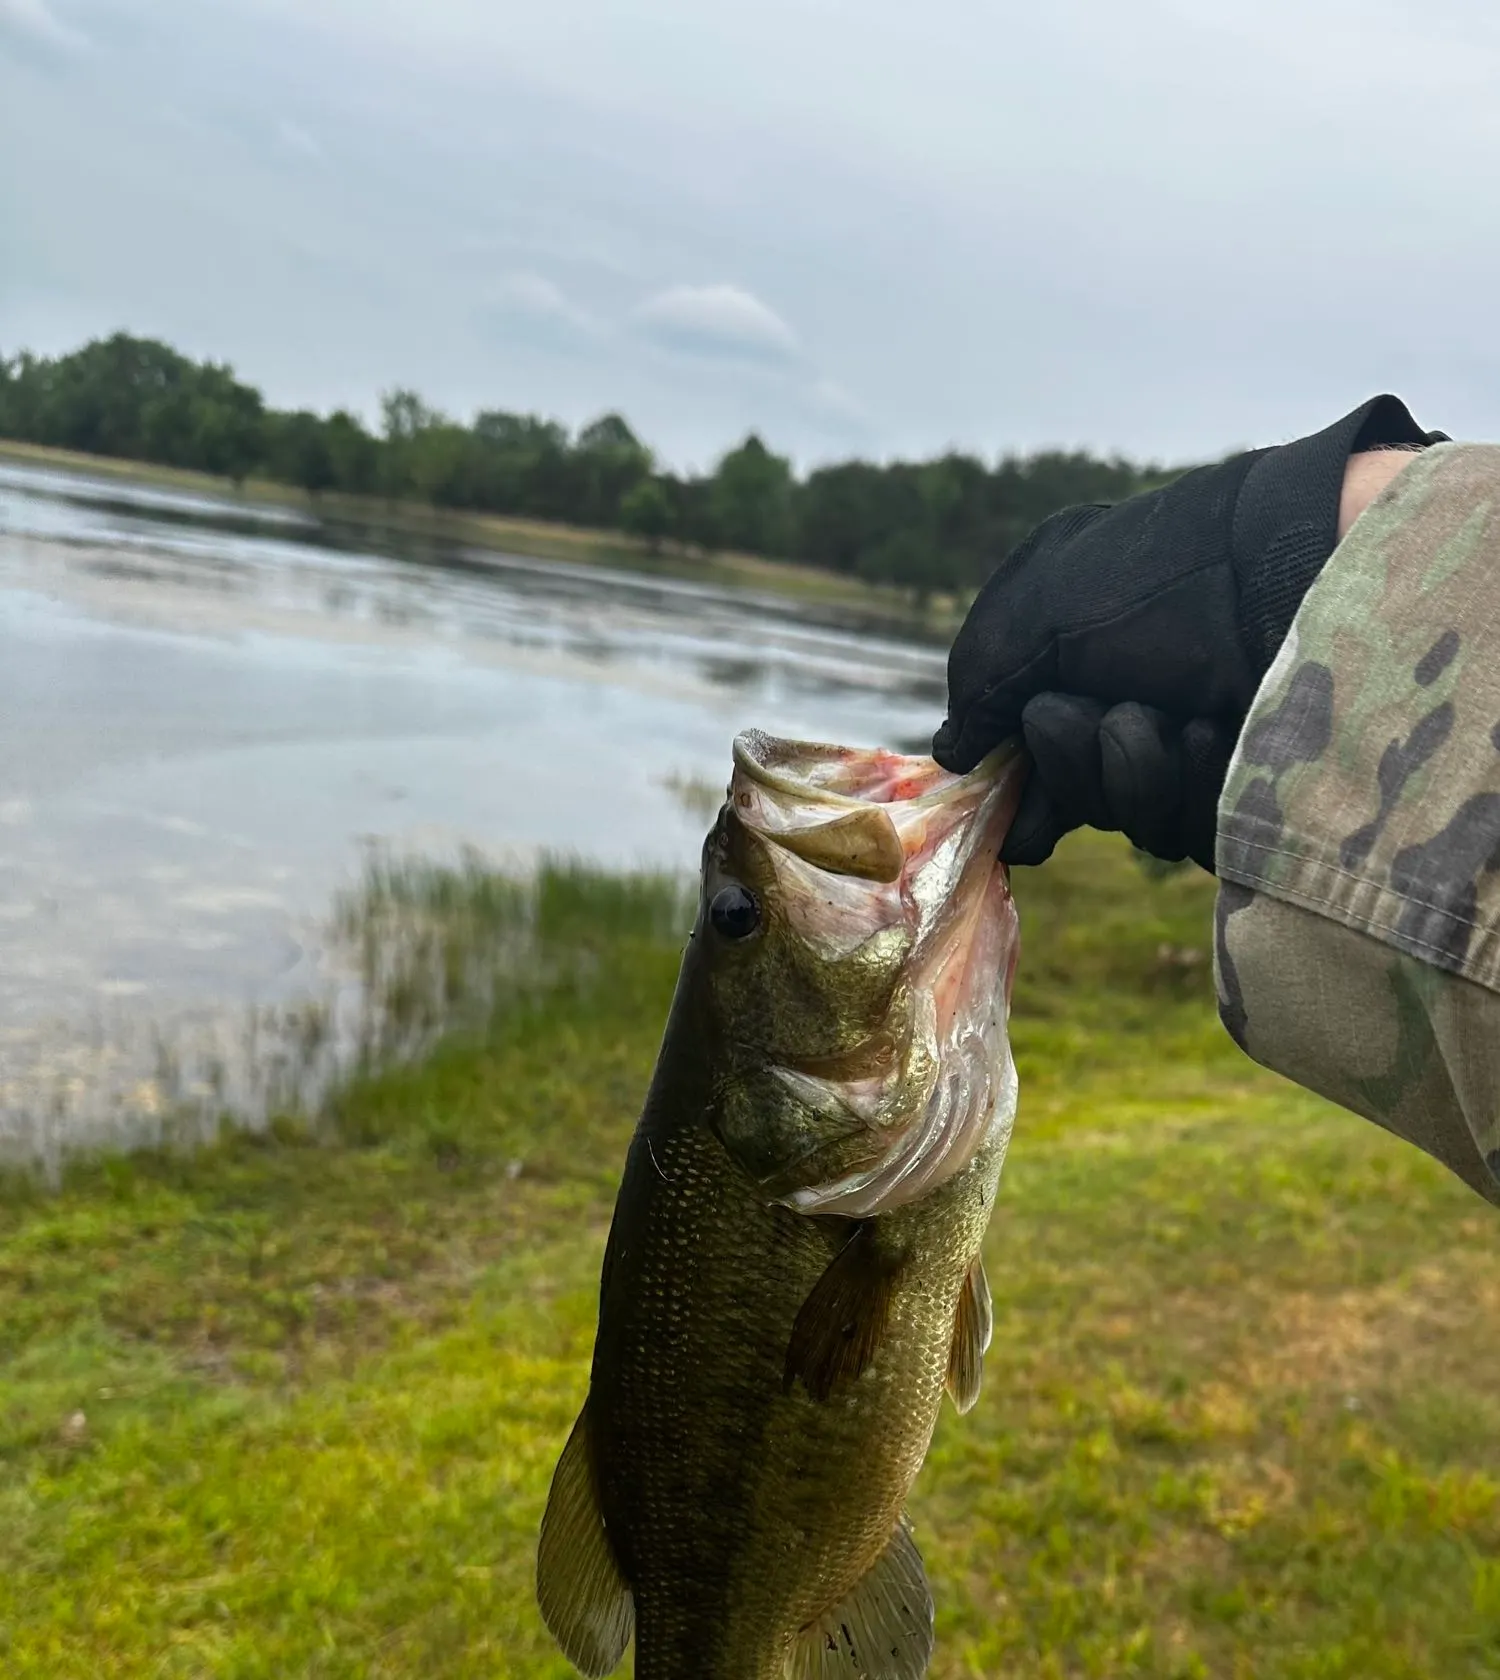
(1359, 920)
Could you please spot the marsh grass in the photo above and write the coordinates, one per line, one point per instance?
(288, 1405)
(420, 950)
(440, 949)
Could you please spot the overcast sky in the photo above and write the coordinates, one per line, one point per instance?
(868, 226)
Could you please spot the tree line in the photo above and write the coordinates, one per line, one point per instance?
(934, 525)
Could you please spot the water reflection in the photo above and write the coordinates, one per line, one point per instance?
(207, 706)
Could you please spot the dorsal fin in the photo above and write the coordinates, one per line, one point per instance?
(583, 1597)
(972, 1330)
(882, 1630)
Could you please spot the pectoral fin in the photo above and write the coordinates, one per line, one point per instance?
(972, 1330)
(882, 1630)
(582, 1595)
(842, 1322)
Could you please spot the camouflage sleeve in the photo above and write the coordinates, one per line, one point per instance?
(1358, 922)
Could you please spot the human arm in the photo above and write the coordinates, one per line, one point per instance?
(1370, 978)
(1357, 929)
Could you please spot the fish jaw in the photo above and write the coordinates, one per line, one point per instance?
(952, 1092)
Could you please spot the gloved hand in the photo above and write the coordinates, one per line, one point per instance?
(1126, 643)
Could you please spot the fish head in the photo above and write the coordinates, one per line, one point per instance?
(853, 957)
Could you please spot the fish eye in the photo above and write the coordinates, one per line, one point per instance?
(734, 912)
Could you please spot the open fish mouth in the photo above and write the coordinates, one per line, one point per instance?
(870, 839)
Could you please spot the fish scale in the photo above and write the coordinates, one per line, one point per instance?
(765, 1381)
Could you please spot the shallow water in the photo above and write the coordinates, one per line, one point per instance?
(208, 708)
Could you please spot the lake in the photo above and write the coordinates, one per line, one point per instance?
(210, 710)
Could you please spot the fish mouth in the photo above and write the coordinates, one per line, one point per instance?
(817, 771)
(875, 814)
(874, 837)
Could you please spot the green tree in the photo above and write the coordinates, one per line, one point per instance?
(353, 454)
(837, 515)
(941, 524)
(228, 424)
(612, 464)
(404, 417)
(752, 500)
(442, 464)
(299, 452)
(646, 512)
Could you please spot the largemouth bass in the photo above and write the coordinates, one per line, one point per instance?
(792, 1277)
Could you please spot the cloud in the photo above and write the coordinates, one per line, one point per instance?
(1038, 240)
(34, 28)
(829, 400)
(529, 307)
(583, 249)
(294, 140)
(535, 296)
(718, 321)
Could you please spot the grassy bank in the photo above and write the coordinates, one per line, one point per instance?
(939, 616)
(290, 1407)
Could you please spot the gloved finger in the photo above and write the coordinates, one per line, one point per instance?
(1006, 648)
(1062, 736)
(962, 741)
(1037, 828)
(1066, 788)
(1140, 752)
(1206, 750)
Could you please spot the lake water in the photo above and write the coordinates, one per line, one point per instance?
(208, 709)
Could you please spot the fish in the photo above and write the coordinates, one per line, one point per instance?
(792, 1278)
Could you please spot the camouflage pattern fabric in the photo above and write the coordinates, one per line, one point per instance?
(1358, 925)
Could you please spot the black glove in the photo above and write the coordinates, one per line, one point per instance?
(1126, 643)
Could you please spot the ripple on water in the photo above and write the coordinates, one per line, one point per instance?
(211, 707)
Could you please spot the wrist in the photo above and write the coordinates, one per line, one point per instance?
(1288, 516)
(1366, 475)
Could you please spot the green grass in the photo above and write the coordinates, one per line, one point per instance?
(883, 606)
(289, 1407)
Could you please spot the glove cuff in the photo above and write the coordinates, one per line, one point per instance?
(1287, 513)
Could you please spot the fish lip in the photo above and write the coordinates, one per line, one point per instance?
(757, 756)
(747, 746)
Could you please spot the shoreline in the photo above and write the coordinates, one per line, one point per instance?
(874, 605)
